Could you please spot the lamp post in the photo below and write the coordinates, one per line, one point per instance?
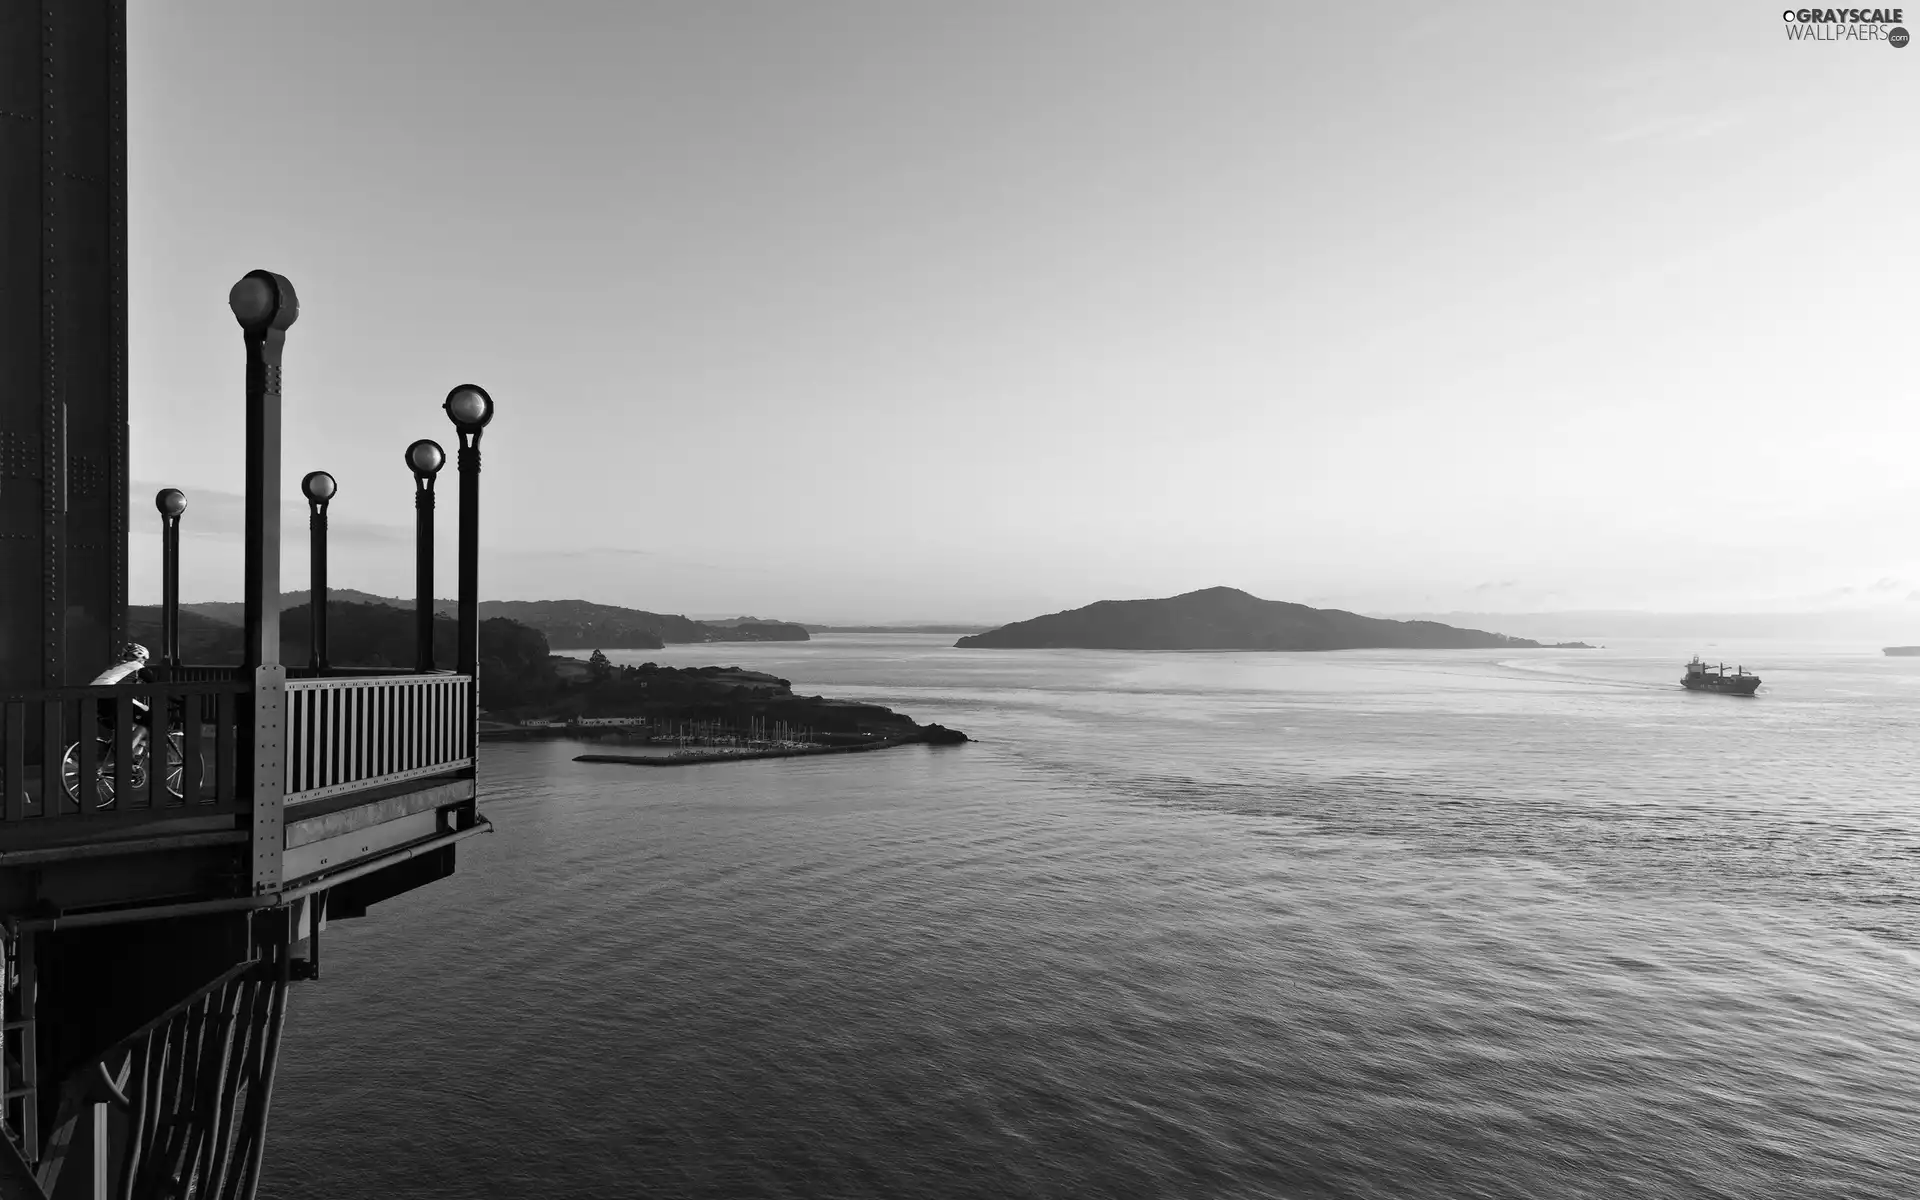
(469, 407)
(424, 459)
(171, 502)
(265, 305)
(318, 487)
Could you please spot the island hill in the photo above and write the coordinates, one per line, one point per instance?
(523, 683)
(1224, 618)
(569, 623)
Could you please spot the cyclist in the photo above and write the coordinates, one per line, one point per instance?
(132, 668)
(133, 660)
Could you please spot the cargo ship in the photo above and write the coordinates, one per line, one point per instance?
(1702, 678)
(1901, 651)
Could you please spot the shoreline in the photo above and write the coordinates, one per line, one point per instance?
(689, 760)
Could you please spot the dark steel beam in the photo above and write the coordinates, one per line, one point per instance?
(265, 305)
(157, 912)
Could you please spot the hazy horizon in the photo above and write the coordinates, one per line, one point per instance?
(857, 312)
(1834, 624)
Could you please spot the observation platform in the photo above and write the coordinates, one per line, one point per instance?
(376, 770)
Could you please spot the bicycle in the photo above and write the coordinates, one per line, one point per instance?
(106, 774)
(132, 664)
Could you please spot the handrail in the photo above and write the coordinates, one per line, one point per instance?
(89, 752)
(143, 691)
(346, 734)
(205, 672)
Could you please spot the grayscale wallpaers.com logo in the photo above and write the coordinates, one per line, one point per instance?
(1846, 25)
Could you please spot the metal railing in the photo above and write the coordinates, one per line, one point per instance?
(141, 750)
(348, 734)
(201, 673)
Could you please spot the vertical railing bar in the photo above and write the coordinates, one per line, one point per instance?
(337, 738)
(356, 735)
(330, 738)
(122, 753)
(159, 742)
(16, 761)
(51, 752)
(316, 738)
(223, 730)
(86, 758)
(290, 749)
(190, 782)
(301, 735)
(290, 753)
(306, 736)
(309, 739)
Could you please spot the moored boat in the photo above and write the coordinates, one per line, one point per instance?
(1703, 678)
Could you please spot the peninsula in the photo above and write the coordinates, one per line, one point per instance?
(1224, 618)
(567, 623)
(527, 690)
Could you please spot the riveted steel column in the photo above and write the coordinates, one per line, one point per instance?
(265, 305)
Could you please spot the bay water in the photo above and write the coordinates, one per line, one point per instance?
(1524, 923)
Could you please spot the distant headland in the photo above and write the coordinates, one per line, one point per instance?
(1224, 618)
(528, 691)
(579, 624)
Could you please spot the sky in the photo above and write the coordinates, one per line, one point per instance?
(917, 311)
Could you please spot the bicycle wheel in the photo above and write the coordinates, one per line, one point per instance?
(103, 774)
(176, 774)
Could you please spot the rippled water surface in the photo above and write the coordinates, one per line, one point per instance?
(1368, 924)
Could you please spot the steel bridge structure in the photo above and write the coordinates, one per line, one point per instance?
(173, 847)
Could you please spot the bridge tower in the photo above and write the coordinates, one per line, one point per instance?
(172, 847)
